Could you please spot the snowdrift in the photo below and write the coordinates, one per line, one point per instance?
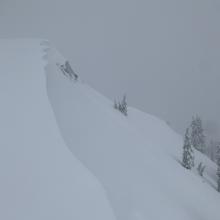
(40, 178)
(136, 158)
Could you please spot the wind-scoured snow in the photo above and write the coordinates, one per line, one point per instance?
(40, 179)
(136, 158)
(128, 167)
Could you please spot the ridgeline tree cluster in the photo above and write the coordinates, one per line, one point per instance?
(195, 140)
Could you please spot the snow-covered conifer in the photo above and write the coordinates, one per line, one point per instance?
(197, 134)
(188, 158)
(122, 106)
(124, 109)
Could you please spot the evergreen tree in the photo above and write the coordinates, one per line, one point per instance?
(197, 134)
(188, 158)
(68, 71)
(218, 168)
(122, 106)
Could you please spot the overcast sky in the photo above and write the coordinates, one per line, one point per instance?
(164, 54)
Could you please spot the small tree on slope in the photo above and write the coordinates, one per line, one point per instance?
(197, 134)
(122, 106)
(188, 158)
(218, 168)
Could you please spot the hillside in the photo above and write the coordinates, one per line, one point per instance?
(123, 167)
(40, 178)
(136, 158)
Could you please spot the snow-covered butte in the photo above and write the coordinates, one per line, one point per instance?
(135, 159)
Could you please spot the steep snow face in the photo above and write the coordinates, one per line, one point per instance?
(136, 158)
(39, 177)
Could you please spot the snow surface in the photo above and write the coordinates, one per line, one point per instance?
(40, 178)
(136, 158)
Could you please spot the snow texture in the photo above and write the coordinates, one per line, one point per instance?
(40, 178)
(136, 159)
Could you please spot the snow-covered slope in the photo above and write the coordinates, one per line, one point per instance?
(40, 179)
(136, 158)
(133, 161)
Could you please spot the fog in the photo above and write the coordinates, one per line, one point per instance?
(163, 54)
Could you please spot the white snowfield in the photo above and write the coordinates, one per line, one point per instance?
(40, 179)
(134, 162)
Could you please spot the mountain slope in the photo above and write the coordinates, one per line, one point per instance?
(136, 158)
(40, 178)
